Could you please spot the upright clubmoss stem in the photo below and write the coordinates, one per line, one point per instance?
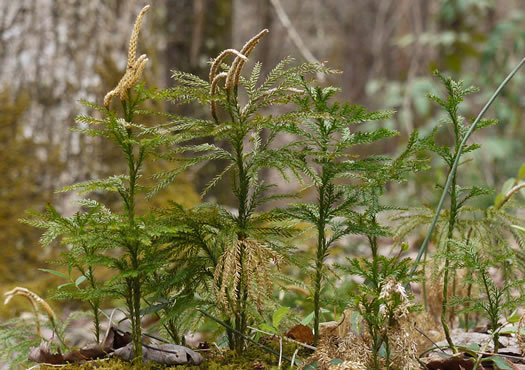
(451, 223)
(425, 293)
(134, 289)
(321, 251)
(95, 303)
(469, 286)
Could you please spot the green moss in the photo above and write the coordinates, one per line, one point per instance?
(214, 360)
(113, 363)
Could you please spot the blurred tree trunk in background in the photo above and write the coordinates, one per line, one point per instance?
(51, 53)
(195, 31)
(59, 52)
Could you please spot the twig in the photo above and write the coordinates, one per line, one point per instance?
(218, 348)
(202, 350)
(285, 338)
(242, 335)
(110, 318)
(426, 336)
(293, 357)
(510, 193)
(109, 326)
(280, 351)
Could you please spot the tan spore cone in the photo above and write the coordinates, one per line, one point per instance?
(135, 66)
(233, 75)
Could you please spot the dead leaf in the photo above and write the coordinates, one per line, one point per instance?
(165, 354)
(43, 354)
(458, 362)
(91, 352)
(301, 333)
(172, 354)
(116, 339)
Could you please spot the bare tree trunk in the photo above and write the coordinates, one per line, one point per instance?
(55, 51)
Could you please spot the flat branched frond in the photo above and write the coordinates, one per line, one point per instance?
(187, 129)
(112, 183)
(190, 80)
(257, 198)
(73, 229)
(167, 177)
(350, 139)
(302, 124)
(408, 221)
(280, 159)
(306, 212)
(187, 94)
(350, 114)
(282, 77)
(472, 192)
(17, 336)
(442, 150)
(275, 74)
(275, 96)
(218, 152)
(89, 120)
(456, 92)
(251, 84)
(213, 182)
(295, 75)
(94, 106)
(485, 123)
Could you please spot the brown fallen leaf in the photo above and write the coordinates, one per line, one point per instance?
(301, 333)
(91, 352)
(116, 339)
(43, 354)
(458, 362)
(119, 344)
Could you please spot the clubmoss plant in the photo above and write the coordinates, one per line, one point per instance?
(460, 221)
(19, 335)
(385, 306)
(253, 240)
(497, 227)
(191, 254)
(342, 181)
(452, 173)
(458, 196)
(494, 301)
(135, 237)
(119, 240)
(82, 236)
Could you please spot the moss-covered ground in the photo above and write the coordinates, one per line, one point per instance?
(253, 357)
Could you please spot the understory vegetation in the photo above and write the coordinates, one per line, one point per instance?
(244, 275)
